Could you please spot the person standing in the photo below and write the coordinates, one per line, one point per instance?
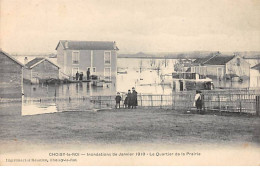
(129, 99)
(126, 102)
(198, 101)
(88, 73)
(81, 76)
(118, 99)
(134, 98)
(77, 76)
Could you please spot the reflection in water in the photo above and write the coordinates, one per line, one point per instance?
(41, 99)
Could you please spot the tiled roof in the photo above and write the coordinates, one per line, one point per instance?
(219, 60)
(88, 45)
(33, 62)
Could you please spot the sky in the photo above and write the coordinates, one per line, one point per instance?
(29, 26)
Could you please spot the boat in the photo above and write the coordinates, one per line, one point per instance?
(183, 81)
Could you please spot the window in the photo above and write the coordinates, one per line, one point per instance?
(75, 57)
(107, 58)
(238, 61)
(107, 73)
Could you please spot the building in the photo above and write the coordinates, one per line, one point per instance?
(79, 56)
(255, 76)
(11, 73)
(222, 66)
(40, 70)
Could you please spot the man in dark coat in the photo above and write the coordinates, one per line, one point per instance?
(77, 76)
(129, 99)
(134, 98)
(88, 73)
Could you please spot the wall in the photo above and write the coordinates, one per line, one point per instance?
(212, 71)
(242, 71)
(60, 59)
(27, 74)
(11, 78)
(45, 70)
(209, 70)
(254, 78)
(98, 62)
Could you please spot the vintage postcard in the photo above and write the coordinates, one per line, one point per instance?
(129, 82)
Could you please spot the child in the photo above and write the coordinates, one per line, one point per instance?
(118, 99)
(126, 102)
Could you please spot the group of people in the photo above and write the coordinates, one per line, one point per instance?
(130, 100)
(79, 76)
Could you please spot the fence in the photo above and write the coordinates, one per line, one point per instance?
(224, 101)
(241, 101)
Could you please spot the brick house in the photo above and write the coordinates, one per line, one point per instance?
(77, 56)
(11, 73)
(222, 66)
(40, 70)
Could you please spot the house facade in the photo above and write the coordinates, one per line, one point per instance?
(11, 73)
(222, 66)
(79, 56)
(255, 76)
(40, 69)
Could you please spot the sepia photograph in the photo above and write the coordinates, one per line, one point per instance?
(130, 83)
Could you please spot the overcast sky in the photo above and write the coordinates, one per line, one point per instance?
(136, 25)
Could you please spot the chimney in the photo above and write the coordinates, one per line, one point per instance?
(25, 60)
(114, 44)
(66, 45)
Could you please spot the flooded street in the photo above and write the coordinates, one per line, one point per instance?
(148, 76)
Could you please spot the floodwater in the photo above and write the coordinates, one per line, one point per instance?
(148, 76)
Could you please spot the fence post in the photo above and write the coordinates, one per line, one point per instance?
(161, 102)
(100, 104)
(203, 102)
(151, 100)
(219, 106)
(257, 105)
(111, 102)
(240, 104)
(141, 100)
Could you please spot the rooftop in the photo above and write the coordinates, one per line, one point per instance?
(257, 67)
(88, 45)
(12, 58)
(219, 60)
(33, 62)
(36, 61)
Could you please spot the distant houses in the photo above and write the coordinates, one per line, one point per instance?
(100, 57)
(40, 70)
(11, 73)
(222, 66)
